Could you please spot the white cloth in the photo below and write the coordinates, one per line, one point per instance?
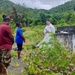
(50, 28)
(47, 37)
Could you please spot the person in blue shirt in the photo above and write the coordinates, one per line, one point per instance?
(19, 38)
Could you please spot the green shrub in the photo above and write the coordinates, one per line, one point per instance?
(50, 60)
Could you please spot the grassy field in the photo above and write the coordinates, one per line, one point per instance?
(44, 61)
(33, 36)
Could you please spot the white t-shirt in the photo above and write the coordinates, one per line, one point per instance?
(47, 37)
(49, 28)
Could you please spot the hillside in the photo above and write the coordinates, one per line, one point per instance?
(6, 7)
(62, 14)
(70, 5)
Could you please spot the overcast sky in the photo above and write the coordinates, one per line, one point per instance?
(40, 4)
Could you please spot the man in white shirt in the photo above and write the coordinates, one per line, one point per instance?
(49, 28)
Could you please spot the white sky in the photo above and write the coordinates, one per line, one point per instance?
(40, 4)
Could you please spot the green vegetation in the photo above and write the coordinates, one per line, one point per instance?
(54, 60)
(61, 15)
(70, 5)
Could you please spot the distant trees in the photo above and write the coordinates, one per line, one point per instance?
(14, 14)
(60, 15)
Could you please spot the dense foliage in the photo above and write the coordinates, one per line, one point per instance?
(47, 60)
(50, 60)
(63, 14)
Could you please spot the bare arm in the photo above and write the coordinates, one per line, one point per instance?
(23, 37)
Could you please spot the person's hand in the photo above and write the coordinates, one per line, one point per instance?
(47, 31)
(24, 40)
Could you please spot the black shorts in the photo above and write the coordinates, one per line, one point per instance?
(19, 46)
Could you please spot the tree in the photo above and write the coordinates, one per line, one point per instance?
(14, 14)
(43, 17)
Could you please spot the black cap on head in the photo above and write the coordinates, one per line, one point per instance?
(4, 16)
(6, 19)
(17, 24)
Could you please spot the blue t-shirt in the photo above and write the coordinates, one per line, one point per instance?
(18, 38)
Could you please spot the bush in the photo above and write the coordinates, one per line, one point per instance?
(50, 60)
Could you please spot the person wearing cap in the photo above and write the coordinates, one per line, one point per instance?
(6, 42)
(19, 38)
(48, 29)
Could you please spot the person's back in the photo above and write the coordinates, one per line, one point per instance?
(5, 41)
